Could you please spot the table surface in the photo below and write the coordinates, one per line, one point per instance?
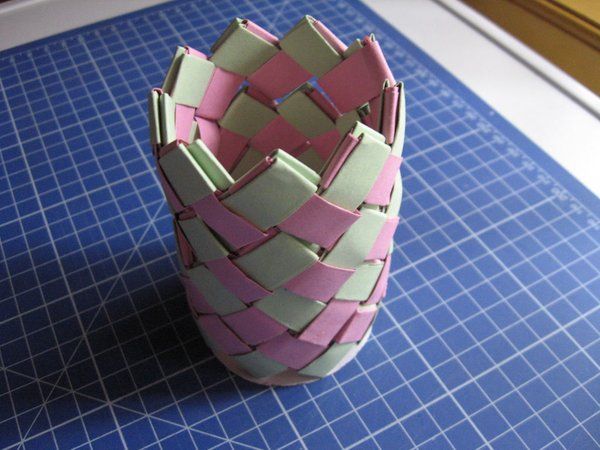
(490, 333)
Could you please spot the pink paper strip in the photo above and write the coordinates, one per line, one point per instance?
(170, 194)
(169, 147)
(236, 281)
(334, 166)
(209, 133)
(357, 79)
(258, 95)
(254, 326)
(231, 148)
(384, 240)
(222, 336)
(155, 150)
(298, 151)
(185, 250)
(333, 40)
(369, 121)
(327, 324)
(277, 134)
(325, 143)
(382, 188)
(195, 298)
(270, 233)
(260, 32)
(221, 89)
(390, 107)
(278, 76)
(356, 327)
(290, 351)
(192, 51)
(319, 221)
(322, 102)
(319, 282)
(187, 214)
(250, 175)
(381, 285)
(184, 117)
(233, 228)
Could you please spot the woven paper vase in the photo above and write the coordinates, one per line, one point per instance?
(285, 193)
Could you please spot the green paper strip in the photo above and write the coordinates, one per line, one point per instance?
(355, 46)
(185, 175)
(240, 51)
(277, 261)
(363, 110)
(347, 121)
(353, 247)
(167, 119)
(309, 49)
(378, 126)
(191, 81)
(311, 245)
(258, 365)
(180, 265)
(298, 166)
(361, 283)
(206, 246)
(371, 207)
(153, 118)
(299, 110)
(398, 143)
(173, 68)
(325, 363)
(353, 182)
(194, 132)
(210, 164)
(396, 198)
(216, 295)
(272, 196)
(310, 158)
(291, 310)
(360, 129)
(251, 158)
(246, 116)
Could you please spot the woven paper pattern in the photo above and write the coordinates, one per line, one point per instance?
(280, 161)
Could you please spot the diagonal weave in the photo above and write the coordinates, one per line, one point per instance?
(285, 192)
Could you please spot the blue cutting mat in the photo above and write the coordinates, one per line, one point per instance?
(489, 335)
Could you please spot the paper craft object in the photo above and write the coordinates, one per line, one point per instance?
(279, 159)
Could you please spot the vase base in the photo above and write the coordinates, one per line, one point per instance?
(289, 377)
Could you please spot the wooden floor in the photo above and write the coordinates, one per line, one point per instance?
(567, 32)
